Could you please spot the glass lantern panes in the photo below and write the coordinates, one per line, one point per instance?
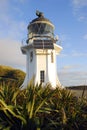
(41, 29)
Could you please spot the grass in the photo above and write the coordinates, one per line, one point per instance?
(79, 91)
(38, 107)
(11, 76)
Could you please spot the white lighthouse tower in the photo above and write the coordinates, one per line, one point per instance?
(41, 50)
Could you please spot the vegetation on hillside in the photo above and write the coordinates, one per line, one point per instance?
(38, 107)
(79, 91)
(41, 108)
(80, 87)
(11, 76)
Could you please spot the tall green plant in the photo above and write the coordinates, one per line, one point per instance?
(65, 111)
(24, 106)
(41, 108)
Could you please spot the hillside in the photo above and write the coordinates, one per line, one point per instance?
(80, 87)
(11, 76)
(79, 91)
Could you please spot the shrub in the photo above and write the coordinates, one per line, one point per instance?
(41, 108)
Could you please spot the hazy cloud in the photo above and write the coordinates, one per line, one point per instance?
(78, 54)
(73, 78)
(79, 3)
(21, 1)
(11, 32)
(74, 53)
(63, 55)
(4, 5)
(12, 28)
(69, 67)
(80, 9)
(10, 53)
(9, 25)
(85, 37)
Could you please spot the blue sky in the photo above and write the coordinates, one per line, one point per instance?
(70, 20)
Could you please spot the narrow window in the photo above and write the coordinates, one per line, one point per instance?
(42, 76)
(52, 60)
(31, 56)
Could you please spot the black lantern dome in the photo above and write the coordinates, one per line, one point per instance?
(40, 27)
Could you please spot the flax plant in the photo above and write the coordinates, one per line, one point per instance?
(41, 108)
(23, 109)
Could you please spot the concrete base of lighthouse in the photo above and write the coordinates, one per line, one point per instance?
(27, 81)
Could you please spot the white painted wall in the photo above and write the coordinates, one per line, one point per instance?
(41, 65)
(41, 61)
(44, 63)
(52, 69)
(30, 66)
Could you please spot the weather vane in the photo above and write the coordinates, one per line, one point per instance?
(39, 14)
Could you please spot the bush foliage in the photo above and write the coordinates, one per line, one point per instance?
(41, 108)
(11, 76)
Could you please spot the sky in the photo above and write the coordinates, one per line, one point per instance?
(70, 20)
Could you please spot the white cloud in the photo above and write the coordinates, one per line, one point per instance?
(12, 31)
(12, 28)
(79, 54)
(85, 37)
(67, 68)
(63, 55)
(79, 3)
(73, 78)
(80, 9)
(21, 1)
(9, 25)
(74, 53)
(81, 18)
(4, 4)
(10, 53)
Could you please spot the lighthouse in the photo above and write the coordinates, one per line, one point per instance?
(41, 49)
